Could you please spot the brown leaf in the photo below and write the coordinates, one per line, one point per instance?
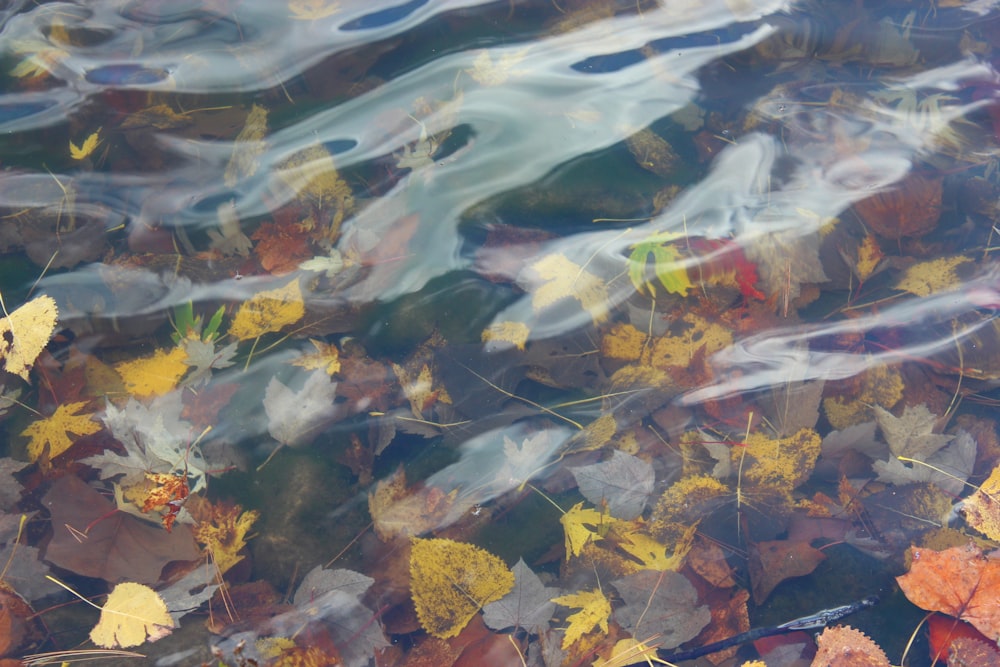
(773, 562)
(912, 208)
(843, 646)
(91, 539)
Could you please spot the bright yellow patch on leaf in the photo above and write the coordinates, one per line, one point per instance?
(420, 390)
(594, 611)
(451, 581)
(880, 385)
(652, 555)
(53, 431)
(25, 333)
(700, 335)
(222, 530)
(630, 652)
(326, 357)
(623, 342)
(781, 464)
(132, 614)
(869, 255)
(982, 508)
(89, 145)
(564, 279)
(583, 526)
(267, 311)
(936, 275)
(310, 10)
(694, 490)
(155, 375)
(515, 333)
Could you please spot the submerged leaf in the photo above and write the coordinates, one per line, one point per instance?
(248, 148)
(662, 605)
(624, 482)
(155, 375)
(843, 646)
(25, 333)
(528, 606)
(583, 526)
(982, 508)
(595, 609)
(557, 278)
(451, 581)
(294, 418)
(270, 310)
(52, 431)
(132, 615)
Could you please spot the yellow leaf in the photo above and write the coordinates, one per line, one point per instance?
(312, 176)
(594, 610)
(248, 147)
(420, 390)
(630, 652)
(936, 275)
(982, 508)
(653, 555)
(52, 431)
(583, 526)
(326, 357)
(782, 464)
(132, 614)
(879, 385)
(451, 581)
(869, 256)
(222, 529)
(493, 73)
(25, 333)
(155, 375)
(564, 279)
(88, 146)
(310, 10)
(624, 342)
(267, 311)
(515, 333)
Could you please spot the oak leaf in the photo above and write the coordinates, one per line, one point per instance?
(451, 581)
(595, 609)
(962, 582)
(52, 432)
(25, 333)
(154, 375)
(132, 614)
(267, 311)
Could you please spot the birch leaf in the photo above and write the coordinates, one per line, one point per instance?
(155, 375)
(270, 310)
(25, 333)
(132, 615)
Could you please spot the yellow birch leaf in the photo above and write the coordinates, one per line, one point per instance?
(594, 610)
(52, 431)
(879, 385)
(515, 333)
(267, 311)
(982, 508)
(89, 145)
(132, 615)
(25, 333)
(936, 275)
(583, 526)
(310, 10)
(451, 581)
(781, 463)
(624, 342)
(248, 147)
(154, 375)
(326, 358)
(564, 279)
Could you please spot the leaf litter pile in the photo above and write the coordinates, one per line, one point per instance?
(597, 332)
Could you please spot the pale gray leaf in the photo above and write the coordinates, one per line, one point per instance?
(911, 434)
(190, 592)
(666, 605)
(624, 482)
(527, 606)
(320, 581)
(294, 418)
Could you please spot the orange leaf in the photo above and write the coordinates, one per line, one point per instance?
(281, 248)
(961, 582)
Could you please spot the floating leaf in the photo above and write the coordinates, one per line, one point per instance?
(528, 606)
(450, 582)
(267, 311)
(595, 609)
(52, 431)
(962, 582)
(25, 333)
(624, 482)
(155, 375)
(132, 615)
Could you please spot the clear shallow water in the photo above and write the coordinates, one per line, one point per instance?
(702, 222)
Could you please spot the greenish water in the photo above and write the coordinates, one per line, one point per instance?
(606, 287)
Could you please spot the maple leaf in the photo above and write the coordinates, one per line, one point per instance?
(88, 146)
(132, 615)
(294, 418)
(624, 482)
(555, 278)
(52, 431)
(785, 260)
(583, 526)
(514, 333)
(230, 239)
(911, 434)
(191, 591)
(222, 528)
(326, 358)
(450, 582)
(962, 582)
(947, 468)
(595, 609)
(25, 333)
(982, 508)
(270, 310)
(154, 375)
(661, 604)
(652, 555)
(494, 73)
(202, 357)
(527, 606)
(248, 147)
(667, 265)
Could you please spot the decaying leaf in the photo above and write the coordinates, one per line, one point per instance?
(911, 434)
(270, 310)
(88, 146)
(294, 418)
(879, 385)
(843, 646)
(982, 508)
(326, 358)
(313, 179)
(397, 510)
(222, 529)
(132, 615)
(935, 275)
(624, 482)
(491, 72)
(53, 431)
(451, 581)
(514, 333)
(773, 562)
(962, 582)
(781, 463)
(595, 609)
(25, 333)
